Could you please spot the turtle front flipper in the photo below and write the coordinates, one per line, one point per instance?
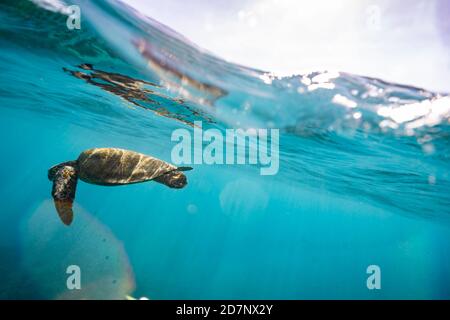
(52, 171)
(63, 191)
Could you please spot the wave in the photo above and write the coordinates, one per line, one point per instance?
(354, 135)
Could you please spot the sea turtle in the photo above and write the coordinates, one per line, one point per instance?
(108, 167)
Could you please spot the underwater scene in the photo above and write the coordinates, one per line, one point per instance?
(175, 174)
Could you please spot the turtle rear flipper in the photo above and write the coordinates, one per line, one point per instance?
(63, 192)
(185, 168)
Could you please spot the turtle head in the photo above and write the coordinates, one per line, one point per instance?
(173, 179)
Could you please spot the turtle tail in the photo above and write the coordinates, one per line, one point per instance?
(63, 192)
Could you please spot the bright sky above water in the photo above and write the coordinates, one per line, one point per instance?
(405, 41)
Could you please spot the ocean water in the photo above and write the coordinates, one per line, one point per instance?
(364, 174)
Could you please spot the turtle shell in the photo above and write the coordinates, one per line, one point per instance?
(112, 166)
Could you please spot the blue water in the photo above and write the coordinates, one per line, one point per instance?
(363, 179)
